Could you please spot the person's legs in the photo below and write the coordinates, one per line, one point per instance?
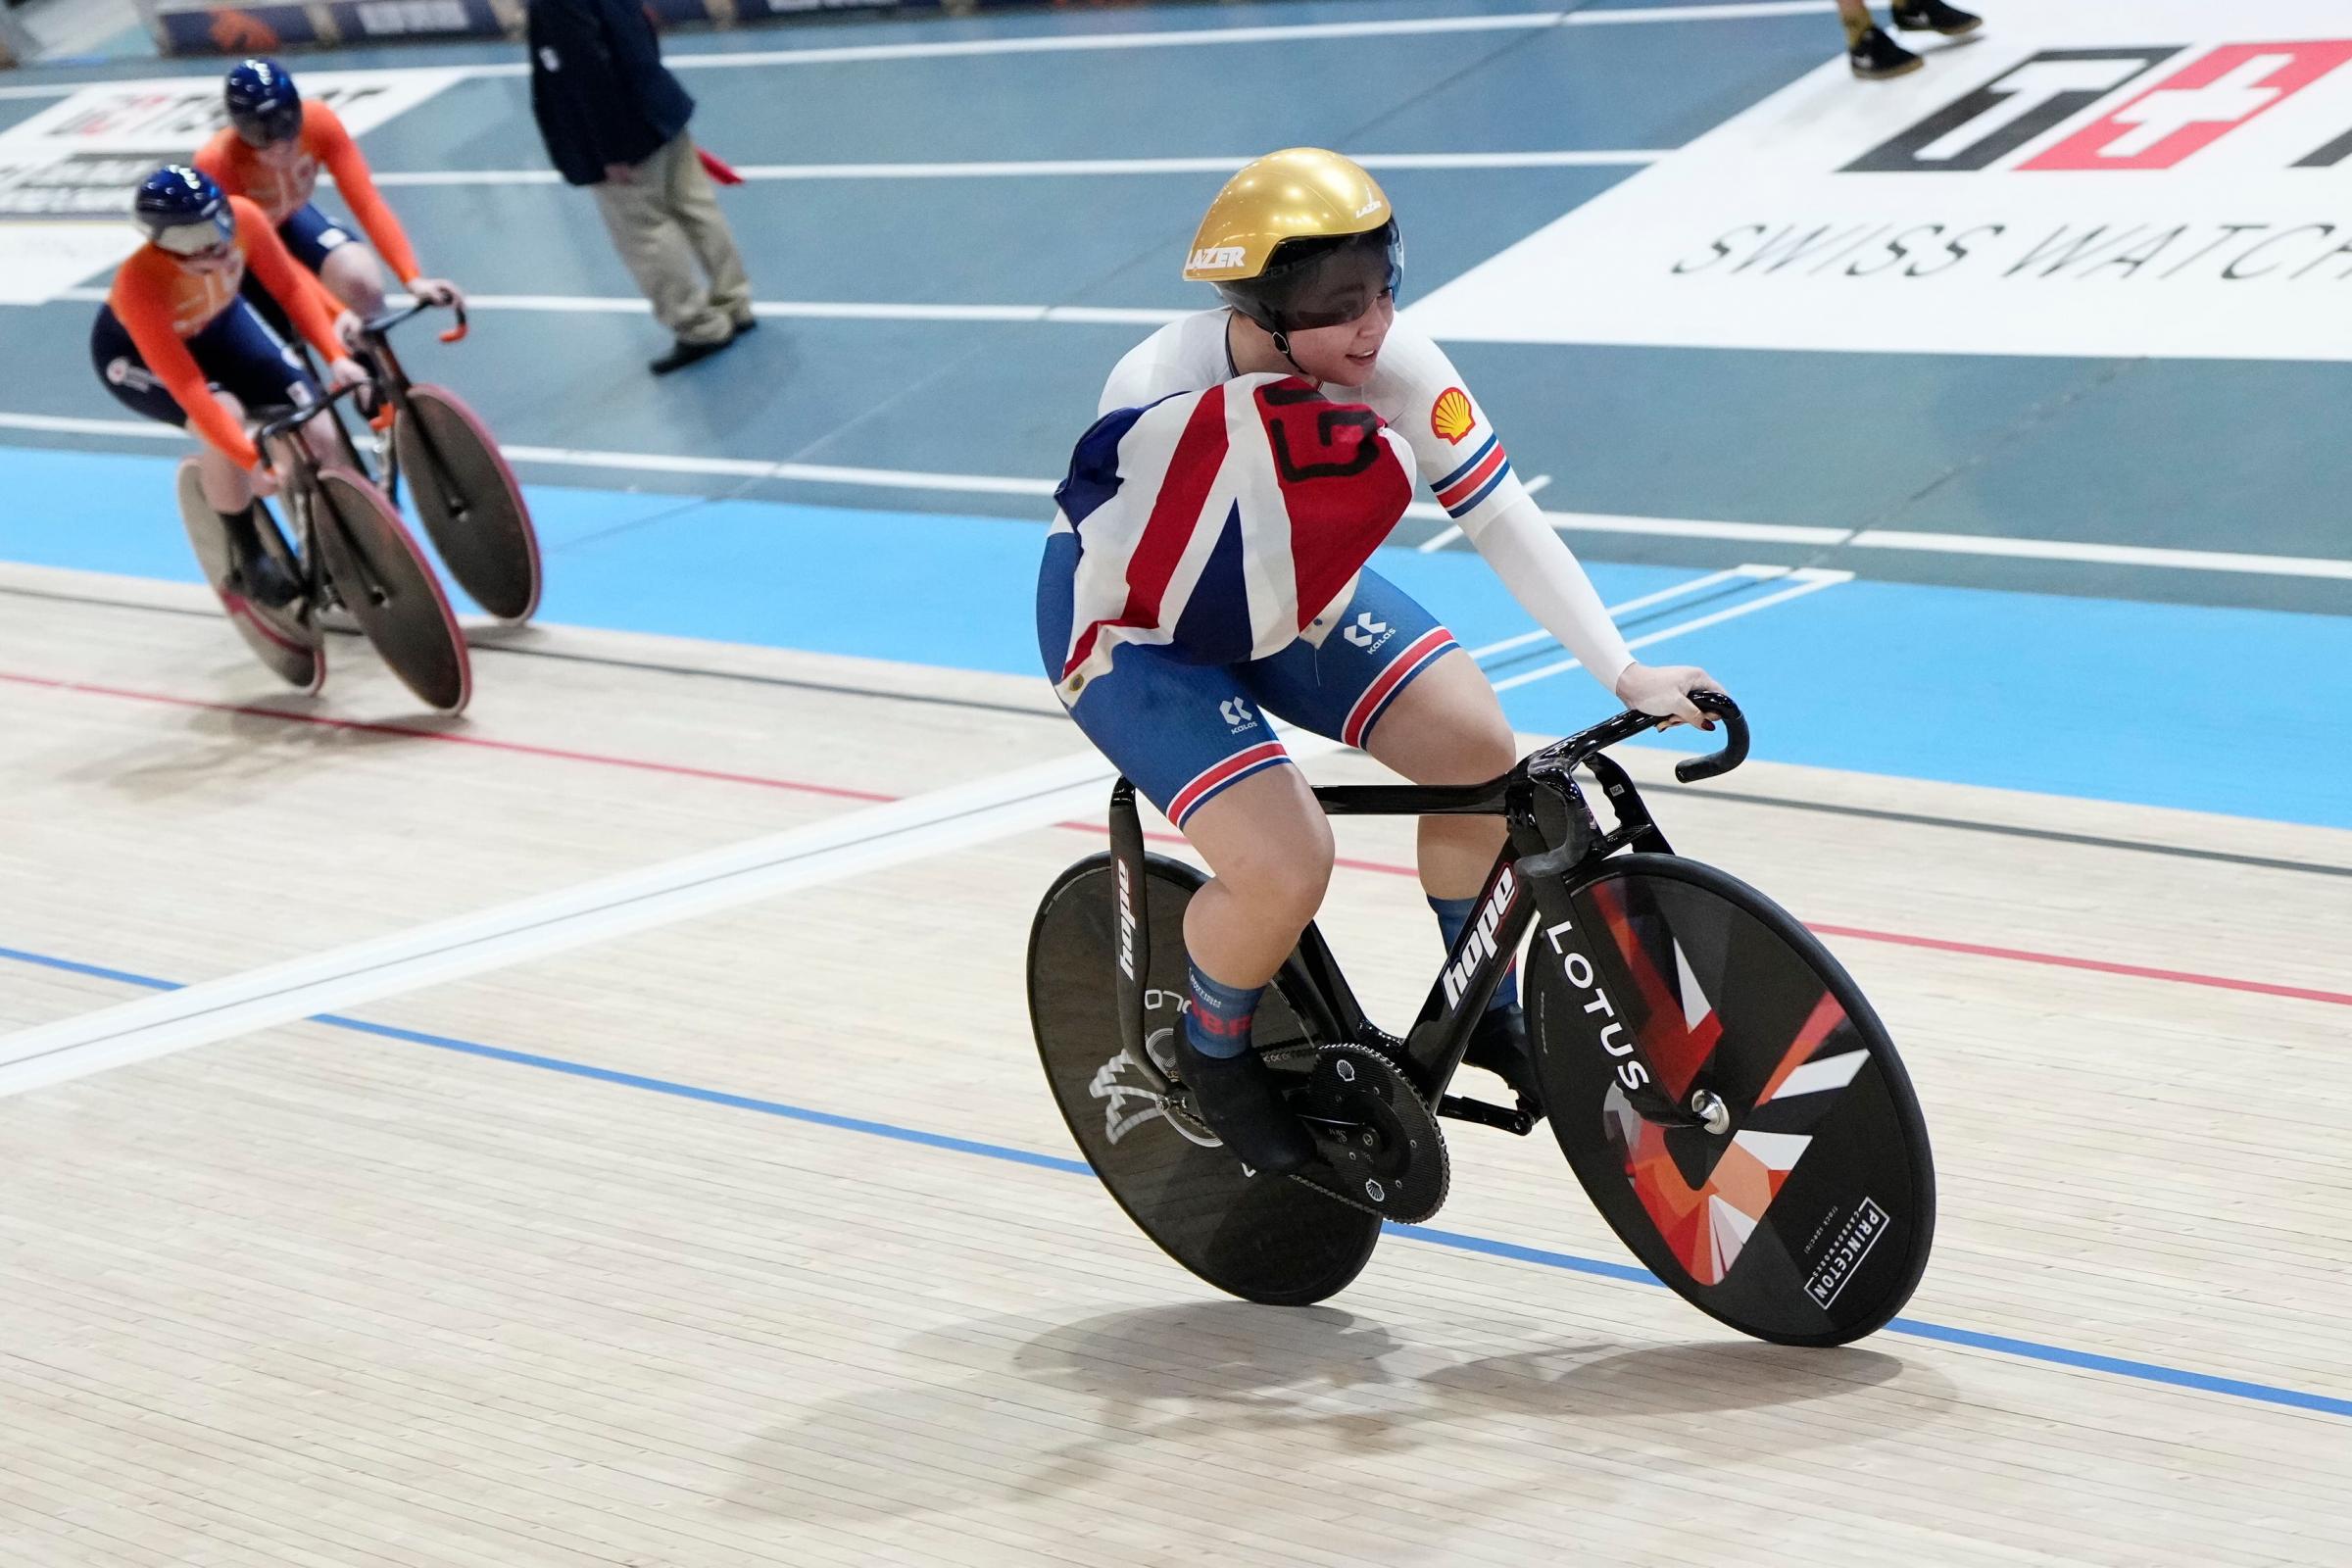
(1388, 678)
(352, 274)
(1873, 55)
(1935, 16)
(350, 271)
(1447, 727)
(654, 248)
(694, 200)
(1195, 746)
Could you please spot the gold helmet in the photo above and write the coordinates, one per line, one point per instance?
(1301, 238)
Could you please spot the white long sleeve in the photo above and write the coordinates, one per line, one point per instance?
(1543, 574)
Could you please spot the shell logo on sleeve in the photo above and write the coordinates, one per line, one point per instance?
(1453, 416)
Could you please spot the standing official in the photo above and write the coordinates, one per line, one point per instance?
(615, 120)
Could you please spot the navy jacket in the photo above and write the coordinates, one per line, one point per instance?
(597, 86)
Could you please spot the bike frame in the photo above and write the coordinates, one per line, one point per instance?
(1555, 844)
(392, 384)
(299, 483)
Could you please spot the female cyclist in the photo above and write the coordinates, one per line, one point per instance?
(271, 153)
(1207, 566)
(177, 341)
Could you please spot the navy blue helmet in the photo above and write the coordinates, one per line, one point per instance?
(263, 103)
(180, 210)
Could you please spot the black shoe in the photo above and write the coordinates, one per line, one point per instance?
(1933, 16)
(682, 354)
(1876, 57)
(1499, 1044)
(1241, 1099)
(254, 572)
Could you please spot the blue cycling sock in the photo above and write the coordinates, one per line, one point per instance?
(1217, 1023)
(1453, 914)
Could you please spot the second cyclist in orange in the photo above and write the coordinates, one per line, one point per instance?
(271, 153)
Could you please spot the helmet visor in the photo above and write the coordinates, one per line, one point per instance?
(1331, 286)
(267, 126)
(198, 235)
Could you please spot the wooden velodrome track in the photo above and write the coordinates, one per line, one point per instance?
(739, 1229)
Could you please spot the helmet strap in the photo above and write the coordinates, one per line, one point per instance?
(1281, 346)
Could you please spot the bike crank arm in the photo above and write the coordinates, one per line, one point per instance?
(1456, 1107)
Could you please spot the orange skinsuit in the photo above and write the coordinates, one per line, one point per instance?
(238, 170)
(162, 303)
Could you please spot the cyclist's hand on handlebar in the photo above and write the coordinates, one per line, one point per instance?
(438, 291)
(348, 328)
(1664, 691)
(344, 372)
(264, 478)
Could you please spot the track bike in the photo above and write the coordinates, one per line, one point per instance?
(464, 491)
(1722, 1088)
(349, 550)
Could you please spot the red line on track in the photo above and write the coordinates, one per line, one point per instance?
(2054, 960)
(2059, 961)
(448, 738)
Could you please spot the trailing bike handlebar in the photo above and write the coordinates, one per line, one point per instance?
(378, 325)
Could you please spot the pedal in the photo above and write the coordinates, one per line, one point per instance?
(1382, 1150)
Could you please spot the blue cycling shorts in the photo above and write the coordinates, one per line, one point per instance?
(238, 352)
(310, 234)
(1184, 732)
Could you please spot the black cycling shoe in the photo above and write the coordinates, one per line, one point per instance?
(1933, 16)
(1876, 57)
(1499, 1044)
(1241, 1099)
(255, 572)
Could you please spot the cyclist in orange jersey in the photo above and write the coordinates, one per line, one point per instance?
(271, 153)
(179, 342)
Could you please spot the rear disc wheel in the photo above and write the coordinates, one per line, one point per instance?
(285, 638)
(1263, 1239)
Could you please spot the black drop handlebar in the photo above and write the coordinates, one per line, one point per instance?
(295, 418)
(378, 325)
(1625, 727)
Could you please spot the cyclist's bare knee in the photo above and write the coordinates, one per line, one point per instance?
(1447, 727)
(351, 274)
(1268, 842)
(227, 488)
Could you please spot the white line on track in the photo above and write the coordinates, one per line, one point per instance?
(873, 838)
(1963, 543)
(852, 844)
(793, 310)
(2161, 558)
(1680, 590)
(1809, 580)
(1176, 39)
(855, 842)
(807, 472)
(1566, 158)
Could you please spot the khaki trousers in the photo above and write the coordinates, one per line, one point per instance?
(664, 223)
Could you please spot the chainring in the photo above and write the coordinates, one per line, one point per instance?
(1382, 1150)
